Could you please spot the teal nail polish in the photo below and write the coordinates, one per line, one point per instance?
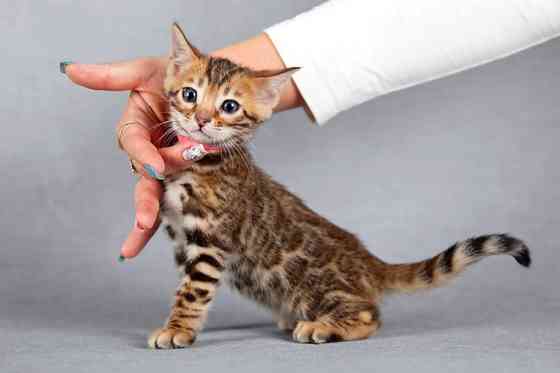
(152, 172)
(63, 65)
(121, 258)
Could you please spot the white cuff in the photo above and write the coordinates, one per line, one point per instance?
(292, 49)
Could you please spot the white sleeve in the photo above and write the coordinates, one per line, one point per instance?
(351, 51)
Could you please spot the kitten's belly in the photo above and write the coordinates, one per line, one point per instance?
(253, 281)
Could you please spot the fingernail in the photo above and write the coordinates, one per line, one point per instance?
(194, 153)
(140, 226)
(63, 65)
(121, 259)
(152, 172)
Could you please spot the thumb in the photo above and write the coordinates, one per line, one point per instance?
(116, 76)
(173, 158)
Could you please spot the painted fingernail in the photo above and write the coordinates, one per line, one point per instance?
(63, 65)
(194, 153)
(121, 259)
(152, 172)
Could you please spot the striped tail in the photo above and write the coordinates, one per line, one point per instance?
(447, 265)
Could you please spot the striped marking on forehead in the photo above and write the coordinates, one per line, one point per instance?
(219, 70)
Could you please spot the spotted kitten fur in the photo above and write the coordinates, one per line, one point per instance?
(231, 222)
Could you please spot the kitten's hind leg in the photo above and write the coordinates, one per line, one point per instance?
(192, 300)
(339, 325)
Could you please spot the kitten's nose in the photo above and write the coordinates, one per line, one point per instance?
(202, 118)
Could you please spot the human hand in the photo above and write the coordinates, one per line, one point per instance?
(140, 133)
(147, 107)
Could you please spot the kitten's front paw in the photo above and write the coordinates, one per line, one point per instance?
(314, 332)
(165, 338)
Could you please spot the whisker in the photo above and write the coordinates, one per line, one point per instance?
(227, 148)
(156, 126)
(166, 135)
(241, 153)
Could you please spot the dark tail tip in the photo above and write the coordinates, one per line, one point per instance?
(516, 248)
(523, 257)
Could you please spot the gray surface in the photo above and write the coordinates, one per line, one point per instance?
(411, 172)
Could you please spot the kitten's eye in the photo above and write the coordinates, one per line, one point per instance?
(189, 94)
(230, 106)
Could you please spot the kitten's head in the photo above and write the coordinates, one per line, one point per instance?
(215, 101)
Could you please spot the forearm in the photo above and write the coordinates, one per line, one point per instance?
(258, 53)
(351, 51)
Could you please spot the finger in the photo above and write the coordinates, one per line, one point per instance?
(146, 223)
(135, 140)
(146, 201)
(137, 240)
(173, 158)
(116, 76)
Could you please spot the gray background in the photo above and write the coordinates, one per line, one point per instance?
(410, 172)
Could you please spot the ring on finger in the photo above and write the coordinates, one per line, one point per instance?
(133, 169)
(122, 129)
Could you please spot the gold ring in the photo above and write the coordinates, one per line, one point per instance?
(123, 127)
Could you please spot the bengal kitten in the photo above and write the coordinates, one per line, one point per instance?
(228, 217)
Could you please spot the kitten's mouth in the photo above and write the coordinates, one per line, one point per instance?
(199, 136)
(191, 142)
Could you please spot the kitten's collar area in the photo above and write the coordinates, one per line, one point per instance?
(196, 150)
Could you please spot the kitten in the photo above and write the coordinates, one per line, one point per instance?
(231, 222)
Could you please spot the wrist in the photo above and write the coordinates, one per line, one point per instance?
(259, 53)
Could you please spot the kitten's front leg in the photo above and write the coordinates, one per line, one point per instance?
(285, 323)
(192, 300)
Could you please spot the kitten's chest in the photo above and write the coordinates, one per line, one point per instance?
(184, 196)
(194, 202)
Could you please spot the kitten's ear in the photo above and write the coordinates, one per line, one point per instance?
(182, 52)
(270, 82)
